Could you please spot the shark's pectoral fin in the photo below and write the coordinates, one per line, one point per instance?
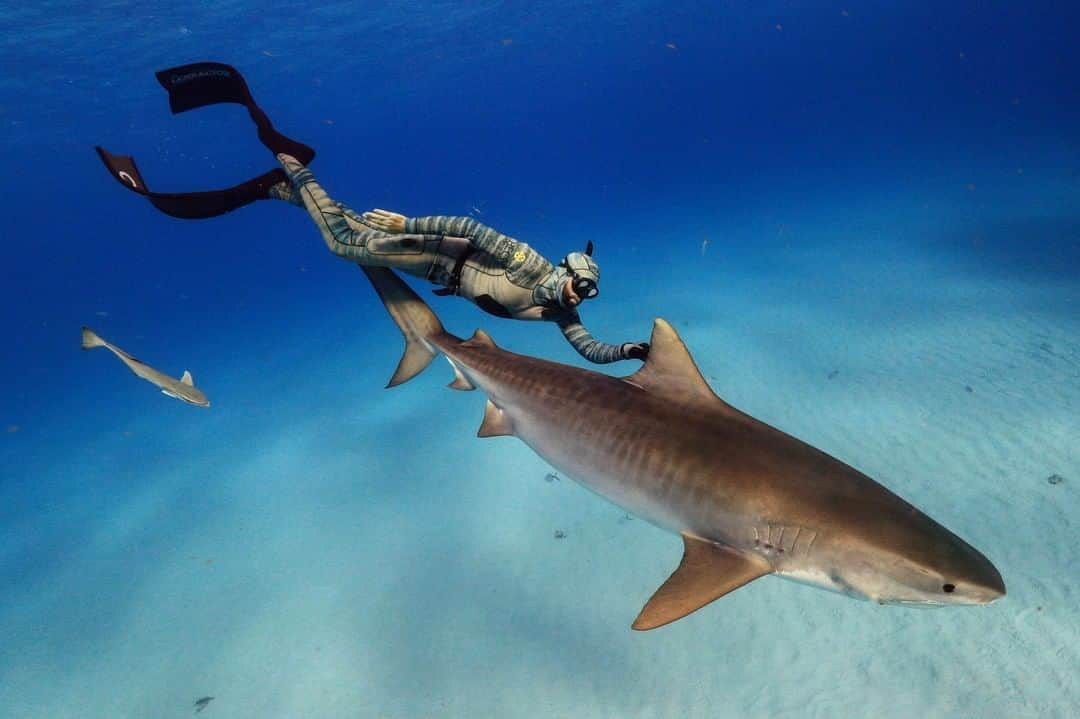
(707, 572)
(496, 423)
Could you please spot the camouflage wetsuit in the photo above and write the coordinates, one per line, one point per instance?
(500, 274)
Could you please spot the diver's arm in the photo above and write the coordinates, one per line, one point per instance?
(593, 349)
(482, 236)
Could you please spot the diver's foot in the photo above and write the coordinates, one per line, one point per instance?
(290, 163)
(284, 191)
(294, 170)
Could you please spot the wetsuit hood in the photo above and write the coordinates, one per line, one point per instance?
(548, 293)
(581, 269)
(580, 264)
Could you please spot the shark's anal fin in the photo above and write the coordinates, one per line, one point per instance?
(461, 382)
(496, 423)
(187, 379)
(706, 573)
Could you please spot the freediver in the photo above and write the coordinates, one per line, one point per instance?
(501, 275)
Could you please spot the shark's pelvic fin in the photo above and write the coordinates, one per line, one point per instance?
(670, 370)
(496, 423)
(481, 338)
(707, 572)
(460, 382)
(187, 379)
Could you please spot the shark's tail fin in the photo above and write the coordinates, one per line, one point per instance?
(91, 340)
(413, 317)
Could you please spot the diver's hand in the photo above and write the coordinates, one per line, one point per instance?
(385, 220)
(635, 350)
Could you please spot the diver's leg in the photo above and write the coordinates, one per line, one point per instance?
(343, 230)
(350, 236)
(284, 191)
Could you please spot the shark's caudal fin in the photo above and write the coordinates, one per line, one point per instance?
(91, 340)
(413, 317)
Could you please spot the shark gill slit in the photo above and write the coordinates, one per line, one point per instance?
(795, 540)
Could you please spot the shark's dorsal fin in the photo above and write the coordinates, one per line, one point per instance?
(481, 338)
(706, 573)
(187, 379)
(496, 423)
(669, 369)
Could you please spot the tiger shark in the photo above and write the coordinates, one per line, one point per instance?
(183, 389)
(747, 499)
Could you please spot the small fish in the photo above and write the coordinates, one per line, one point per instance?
(182, 389)
(201, 703)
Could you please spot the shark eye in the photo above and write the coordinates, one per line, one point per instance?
(948, 588)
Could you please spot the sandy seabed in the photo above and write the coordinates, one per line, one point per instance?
(318, 547)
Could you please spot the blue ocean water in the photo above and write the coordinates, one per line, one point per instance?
(862, 219)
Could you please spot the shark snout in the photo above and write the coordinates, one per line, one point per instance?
(979, 583)
(992, 587)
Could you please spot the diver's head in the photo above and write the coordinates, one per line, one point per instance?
(582, 277)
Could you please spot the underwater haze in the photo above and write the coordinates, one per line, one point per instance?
(863, 218)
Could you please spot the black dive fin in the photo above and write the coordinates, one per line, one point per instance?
(203, 83)
(211, 83)
(190, 205)
(191, 87)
